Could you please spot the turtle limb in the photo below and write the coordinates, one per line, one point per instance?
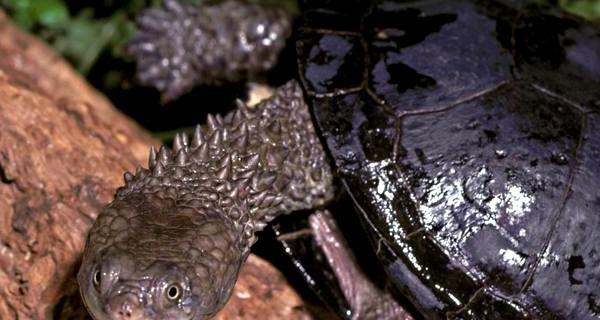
(181, 45)
(365, 299)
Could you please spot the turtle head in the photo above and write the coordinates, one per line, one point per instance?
(161, 264)
(113, 288)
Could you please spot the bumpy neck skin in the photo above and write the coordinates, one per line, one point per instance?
(171, 243)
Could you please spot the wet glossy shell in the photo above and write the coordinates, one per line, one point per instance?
(468, 135)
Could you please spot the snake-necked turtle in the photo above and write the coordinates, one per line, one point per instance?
(467, 134)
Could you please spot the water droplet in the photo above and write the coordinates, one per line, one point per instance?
(559, 158)
(473, 124)
(464, 159)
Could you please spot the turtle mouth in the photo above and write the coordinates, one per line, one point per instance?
(128, 307)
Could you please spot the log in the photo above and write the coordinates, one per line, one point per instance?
(63, 150)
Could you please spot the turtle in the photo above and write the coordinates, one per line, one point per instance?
(466, 133)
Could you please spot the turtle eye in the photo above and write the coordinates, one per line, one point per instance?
(173, 292)
(97, 279)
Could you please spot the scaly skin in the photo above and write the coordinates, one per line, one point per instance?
(180, 45)
(171, 243)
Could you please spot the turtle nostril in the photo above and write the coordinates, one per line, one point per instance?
(125, 310)
(125, 314)
(125, 307)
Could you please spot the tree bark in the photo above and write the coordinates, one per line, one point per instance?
(63, 150)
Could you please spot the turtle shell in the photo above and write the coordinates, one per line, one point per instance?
(468, 135)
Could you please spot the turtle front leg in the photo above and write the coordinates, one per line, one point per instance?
(365, 299)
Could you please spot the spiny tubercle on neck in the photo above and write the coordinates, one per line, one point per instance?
(249, 166)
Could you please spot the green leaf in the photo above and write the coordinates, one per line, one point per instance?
(50, 13)
(589, 9)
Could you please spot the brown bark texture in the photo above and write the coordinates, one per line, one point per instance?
(63, 150)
